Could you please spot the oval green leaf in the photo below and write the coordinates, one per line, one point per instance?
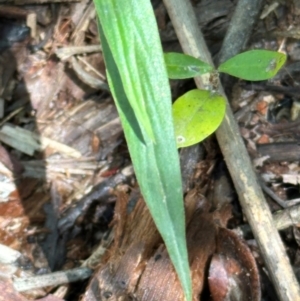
(254, 64)
(181, 66)
(197, 114)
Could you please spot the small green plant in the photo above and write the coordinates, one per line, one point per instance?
(138, 79)
(198, 113)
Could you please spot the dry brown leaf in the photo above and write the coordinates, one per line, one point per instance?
(233, 275)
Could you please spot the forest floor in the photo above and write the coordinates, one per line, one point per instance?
(70, 209)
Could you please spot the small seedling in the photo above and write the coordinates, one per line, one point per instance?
(198, 113)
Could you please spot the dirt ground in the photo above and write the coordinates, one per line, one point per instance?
(73, 225)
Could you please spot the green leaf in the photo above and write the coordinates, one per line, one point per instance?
(123, 22)
(254, 64)
(180, 66)
(156, 163)
(197, 114)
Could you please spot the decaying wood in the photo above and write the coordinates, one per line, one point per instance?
(239, 164)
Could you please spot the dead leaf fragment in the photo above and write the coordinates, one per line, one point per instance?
(233, 275)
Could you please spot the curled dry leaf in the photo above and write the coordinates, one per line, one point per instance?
(233, 275)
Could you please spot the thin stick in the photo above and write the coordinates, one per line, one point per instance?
(240, 28)
(286, 218)
(53, 279)
(282, 220)
(250, 194)
(65, 52)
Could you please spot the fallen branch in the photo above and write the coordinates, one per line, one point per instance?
(282, 219)
(250, 194)
(240, 28)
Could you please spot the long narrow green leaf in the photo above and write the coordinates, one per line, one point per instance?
(130, 49)
(140, 65)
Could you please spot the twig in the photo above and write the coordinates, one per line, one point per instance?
(282, 220)
(11, 115)
(87, 78)
(286, 218)
(65, 52)
(268, 9)
(238, 34)
(272, 194)
(293, 202)
(91, 68)
(290, 91)
(95, 258)
(101, 191)
(53, 279)
(240, 28)
(250, 194)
